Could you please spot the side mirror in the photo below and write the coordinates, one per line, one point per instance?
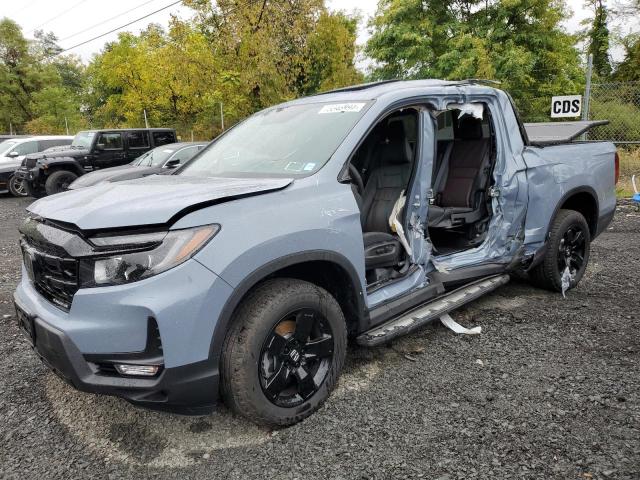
(172, 163)
(13, 154)
(100, 146)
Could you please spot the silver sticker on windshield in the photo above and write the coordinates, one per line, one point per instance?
(294, 166)
(342, 107)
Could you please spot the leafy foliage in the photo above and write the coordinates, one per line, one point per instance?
(519, 42)
(245, 55)
(37, 90)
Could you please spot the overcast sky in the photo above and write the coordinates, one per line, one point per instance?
(75, 21)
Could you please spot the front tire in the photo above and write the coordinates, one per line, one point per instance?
(59, 181)
(569, 245)
(283, 353)
(33, 192)
(17, 187)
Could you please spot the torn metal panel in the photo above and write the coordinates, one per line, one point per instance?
(475, 110)
(509, 203)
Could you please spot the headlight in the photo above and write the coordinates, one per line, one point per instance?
(160, 252)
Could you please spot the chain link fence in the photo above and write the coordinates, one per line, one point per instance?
(618, 102)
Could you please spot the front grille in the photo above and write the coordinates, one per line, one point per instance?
(54, 276)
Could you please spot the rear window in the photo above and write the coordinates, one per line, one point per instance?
(138, 140)
(162, 138)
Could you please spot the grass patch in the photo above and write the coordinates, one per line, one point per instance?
(629, 165)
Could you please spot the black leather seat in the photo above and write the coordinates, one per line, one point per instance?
(389, 177)
(462, 178)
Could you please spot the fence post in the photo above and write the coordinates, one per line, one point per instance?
(587, 92)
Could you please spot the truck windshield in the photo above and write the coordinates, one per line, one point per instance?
(83, 139)
(153, 158)
(6, 146)
(288, 141)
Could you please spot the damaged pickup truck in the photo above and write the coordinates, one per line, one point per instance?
(360, 213)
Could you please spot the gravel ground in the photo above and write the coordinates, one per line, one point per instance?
(550, 389)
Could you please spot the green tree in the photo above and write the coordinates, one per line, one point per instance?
(38, 87)
(243, 55)
(519, 42)
(629, 69)
(598, 38)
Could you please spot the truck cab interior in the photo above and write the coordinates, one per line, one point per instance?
(381, 171)
(460, 203)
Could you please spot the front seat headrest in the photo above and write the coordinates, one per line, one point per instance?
(395, 148)
(469, 128)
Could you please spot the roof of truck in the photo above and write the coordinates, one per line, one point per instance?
(373, 90)
(128, 129)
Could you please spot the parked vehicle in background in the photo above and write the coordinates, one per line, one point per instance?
(49, 173)
(159, 160)
(13, 152)
(365, 212)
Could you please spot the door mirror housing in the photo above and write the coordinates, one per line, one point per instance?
(100, 146)
(13, 154)
(172, 163)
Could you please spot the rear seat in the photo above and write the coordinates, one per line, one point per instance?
(462, 178)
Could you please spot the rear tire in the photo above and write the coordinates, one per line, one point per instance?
(275, 370)
(59, 181)
(568, 224)
(17, 187)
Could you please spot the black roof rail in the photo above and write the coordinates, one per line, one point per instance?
(481, 81)
(362, 86)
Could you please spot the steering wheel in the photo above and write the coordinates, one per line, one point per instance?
(356, 178)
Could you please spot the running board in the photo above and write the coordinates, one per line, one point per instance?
(416, 318)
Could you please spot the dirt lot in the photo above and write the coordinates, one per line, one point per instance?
(550, 389)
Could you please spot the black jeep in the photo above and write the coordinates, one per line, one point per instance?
(47, 173)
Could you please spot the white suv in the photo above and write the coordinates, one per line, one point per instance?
(13, 151)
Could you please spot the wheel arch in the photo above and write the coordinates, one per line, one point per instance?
(583, 200)
(66, 164)
(329, 270)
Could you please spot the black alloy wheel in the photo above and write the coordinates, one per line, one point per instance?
(283, 352)
(296, 357)
(568, 245)
(571, 250)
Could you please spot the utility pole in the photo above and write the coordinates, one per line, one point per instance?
(221, 117)
(146, 123)
(66, 124)
(587, 92)
(10, 128)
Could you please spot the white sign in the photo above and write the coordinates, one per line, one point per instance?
(342, 107)
(566, 106)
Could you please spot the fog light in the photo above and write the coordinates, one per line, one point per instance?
(137, 370)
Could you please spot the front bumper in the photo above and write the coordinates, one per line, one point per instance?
(111, 322)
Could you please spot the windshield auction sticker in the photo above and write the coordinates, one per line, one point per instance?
(342, 107)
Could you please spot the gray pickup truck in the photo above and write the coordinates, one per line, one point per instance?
(361, 213)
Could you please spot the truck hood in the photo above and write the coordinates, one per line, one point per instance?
(64, 152)
(154, 200)
(114, 174)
